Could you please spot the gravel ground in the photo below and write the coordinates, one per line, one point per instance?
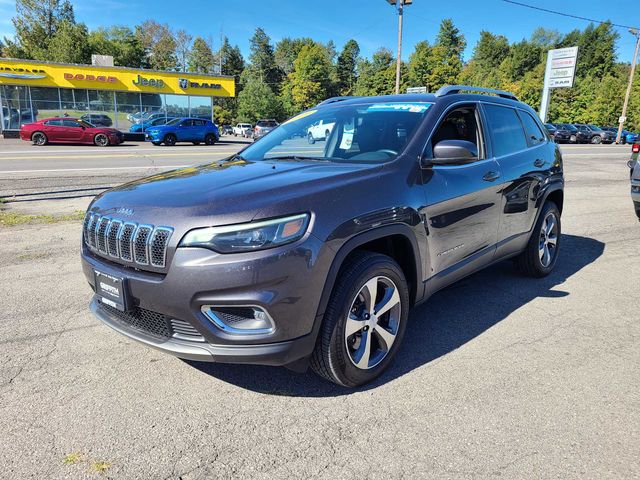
(499, 375)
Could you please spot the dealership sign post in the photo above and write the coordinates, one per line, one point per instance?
(560, 73)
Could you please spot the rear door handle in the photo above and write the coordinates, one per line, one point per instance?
(539, 163)
(491, 176)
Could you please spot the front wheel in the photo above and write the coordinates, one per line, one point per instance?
(101, 140)
(210, 139)
(364, 322)
(573, 139)
(170, 140)
(39, 138)
(541, 254)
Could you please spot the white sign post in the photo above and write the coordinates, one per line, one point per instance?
(560, 73)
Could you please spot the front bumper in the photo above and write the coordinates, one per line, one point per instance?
(275, 354)
(287, 282)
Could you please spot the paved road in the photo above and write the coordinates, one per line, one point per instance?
(499, 376)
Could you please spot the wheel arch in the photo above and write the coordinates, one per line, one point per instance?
(396, 241)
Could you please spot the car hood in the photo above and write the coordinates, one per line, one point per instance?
(226, 192)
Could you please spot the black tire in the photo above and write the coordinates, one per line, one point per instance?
(326, 134)
(170, 139)
(529, 261)
(101, 140)
(210, 139)
(39, 138)
(332, 359)
(596, 139)
(310, 138)
(156, 143)
(196, 143)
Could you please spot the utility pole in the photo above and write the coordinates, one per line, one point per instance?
(400, 4)
(623, 118)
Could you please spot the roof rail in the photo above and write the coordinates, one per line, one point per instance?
(453, 89)
(335, 99)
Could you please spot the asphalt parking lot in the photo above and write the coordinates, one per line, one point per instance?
(499, 375)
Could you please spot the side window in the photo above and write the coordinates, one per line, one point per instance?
(199, 123)
(462, 123)
(53, 123)
(534, 134)
(506, 130)
(187, 123)
(71, 123)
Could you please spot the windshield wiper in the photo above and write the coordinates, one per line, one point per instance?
(298, 158)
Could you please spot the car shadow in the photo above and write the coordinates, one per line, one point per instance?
(445, 322)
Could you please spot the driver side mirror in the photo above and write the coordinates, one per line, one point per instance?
(452, 152)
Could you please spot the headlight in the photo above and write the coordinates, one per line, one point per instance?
(249, 236)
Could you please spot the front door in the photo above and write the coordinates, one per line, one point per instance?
(463, 201)
(72, 131)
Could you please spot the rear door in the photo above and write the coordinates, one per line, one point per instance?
(184, 132)
(524, 154)
(463, 201)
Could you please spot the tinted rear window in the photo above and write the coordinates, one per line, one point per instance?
(506, 129)
(55, 123)
(266, 123)
(534, 134)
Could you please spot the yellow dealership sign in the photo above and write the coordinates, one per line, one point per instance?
(38, 74)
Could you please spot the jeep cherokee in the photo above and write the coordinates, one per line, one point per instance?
(295, 254)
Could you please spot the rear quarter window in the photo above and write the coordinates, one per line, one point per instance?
(531, 128)
(506, 130)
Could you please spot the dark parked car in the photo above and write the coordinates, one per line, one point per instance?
(69, 130)
(593, 134)
(263, 127)
(145, 124)
(97, 119)
(276, 257)
(194, 130)
(558, 133)
(634, 165)
(227, 130)
(573, 131)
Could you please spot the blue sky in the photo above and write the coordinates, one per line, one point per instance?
(371, 22)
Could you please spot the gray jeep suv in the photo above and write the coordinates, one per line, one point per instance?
(295, 254)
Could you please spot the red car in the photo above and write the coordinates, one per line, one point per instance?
(69, 130)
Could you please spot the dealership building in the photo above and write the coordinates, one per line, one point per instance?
(31, 90)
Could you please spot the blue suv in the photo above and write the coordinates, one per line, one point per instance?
(194, 130)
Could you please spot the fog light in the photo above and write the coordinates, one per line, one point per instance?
(240, 320)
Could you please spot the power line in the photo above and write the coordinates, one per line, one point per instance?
(533, 7)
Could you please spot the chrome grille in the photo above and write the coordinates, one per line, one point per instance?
(101, 234)
(140, 247)
(128, 229)
(127, 241)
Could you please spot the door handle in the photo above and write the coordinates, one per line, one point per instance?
(491, 176)
(539, 163)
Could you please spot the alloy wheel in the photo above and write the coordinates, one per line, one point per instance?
(372, 323)
(101, 140)
(547, 246)
(39, 138)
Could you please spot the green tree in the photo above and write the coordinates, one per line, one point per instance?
(256, 101)
(421, 65)
(232, 60)
(201, 58)
(263, 61)
(488, 54)
(450, 38)
(70, 44)
(121, 43)
(378, 76)
(36, 23)
(523, 57)
(310, 79)
(346, 68)
(287, 51)
(159, 45)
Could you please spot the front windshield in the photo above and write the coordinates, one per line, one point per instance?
(570, 127)
(594, 128)
(175, 121)
(367, 133)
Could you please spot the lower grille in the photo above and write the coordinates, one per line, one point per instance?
(154, 324)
